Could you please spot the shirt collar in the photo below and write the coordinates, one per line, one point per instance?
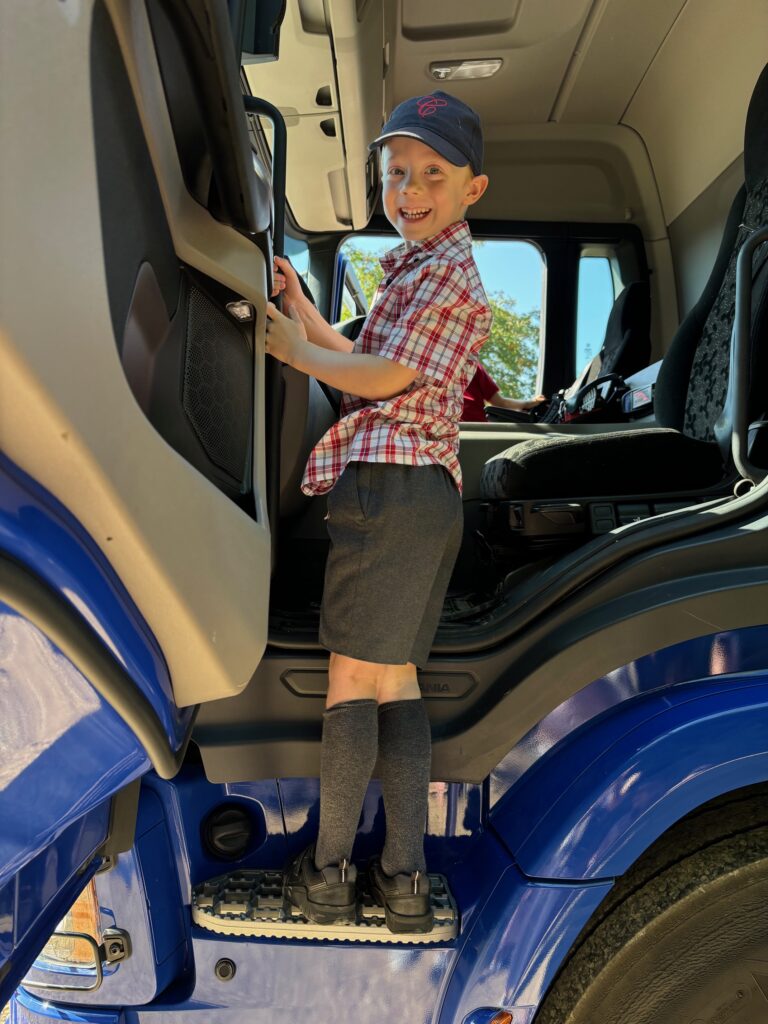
(454, 239)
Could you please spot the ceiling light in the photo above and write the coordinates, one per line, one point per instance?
(452, 70)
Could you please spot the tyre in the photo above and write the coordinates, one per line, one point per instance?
(683, 938)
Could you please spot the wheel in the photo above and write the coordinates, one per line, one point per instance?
(684, 938)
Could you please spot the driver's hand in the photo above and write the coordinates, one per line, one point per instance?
(533, 402)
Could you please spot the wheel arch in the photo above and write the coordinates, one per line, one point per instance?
(633, 774)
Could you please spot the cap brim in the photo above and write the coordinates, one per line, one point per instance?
(431, 139)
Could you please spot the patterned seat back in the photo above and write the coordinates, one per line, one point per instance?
(693, 379)
(710, 370)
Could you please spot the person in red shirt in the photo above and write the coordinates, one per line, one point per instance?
(483, 390)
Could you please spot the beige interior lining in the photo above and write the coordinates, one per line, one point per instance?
(691, 105)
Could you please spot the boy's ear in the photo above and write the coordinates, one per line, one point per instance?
(475, 189)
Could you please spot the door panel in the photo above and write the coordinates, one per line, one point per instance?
(194, 562)
(134, 542)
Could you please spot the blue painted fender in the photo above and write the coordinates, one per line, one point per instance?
(602, 795)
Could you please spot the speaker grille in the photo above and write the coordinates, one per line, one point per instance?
(217, 384)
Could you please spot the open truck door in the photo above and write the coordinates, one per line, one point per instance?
(134, 528)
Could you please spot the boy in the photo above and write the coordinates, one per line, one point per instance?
(483, 390)
(394, 507)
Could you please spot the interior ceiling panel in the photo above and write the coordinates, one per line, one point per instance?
(456, 19)
(534, 38)
(678, 73)
(691, 105)
(615, 58)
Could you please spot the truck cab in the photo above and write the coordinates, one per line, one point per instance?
(598, 686)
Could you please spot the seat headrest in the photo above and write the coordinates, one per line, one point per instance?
(631, 310)
(756, 134)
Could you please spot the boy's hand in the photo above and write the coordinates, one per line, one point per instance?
(287, 281)
(285, 334)
(278, 284)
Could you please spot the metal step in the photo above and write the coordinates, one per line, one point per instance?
(251, 903)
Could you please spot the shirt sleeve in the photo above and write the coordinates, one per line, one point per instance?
(439, 326)
(485, 384)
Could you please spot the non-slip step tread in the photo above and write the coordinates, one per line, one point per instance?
(250, 902)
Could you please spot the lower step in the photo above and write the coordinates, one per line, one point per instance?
(251, 903)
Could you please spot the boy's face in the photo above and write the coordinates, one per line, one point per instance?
(422, 191)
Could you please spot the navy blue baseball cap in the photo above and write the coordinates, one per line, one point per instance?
(443, 123)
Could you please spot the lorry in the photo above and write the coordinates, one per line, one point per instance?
(597, 832)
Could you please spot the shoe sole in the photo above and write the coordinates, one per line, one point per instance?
(318, 913)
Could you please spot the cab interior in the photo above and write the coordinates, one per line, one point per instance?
(607, 137)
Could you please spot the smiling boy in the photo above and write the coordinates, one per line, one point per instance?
(390, 468)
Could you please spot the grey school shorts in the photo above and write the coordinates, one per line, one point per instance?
(395, 533)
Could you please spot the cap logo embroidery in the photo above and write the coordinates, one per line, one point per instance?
(428, 105)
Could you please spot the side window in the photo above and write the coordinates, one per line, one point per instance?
(513, 275)
(354, 301)
(512, 272)
(362, 272)
(595, 299)
(297, 251)
(348, 306)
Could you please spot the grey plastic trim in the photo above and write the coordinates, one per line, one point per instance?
(266, 732)
(63, 626)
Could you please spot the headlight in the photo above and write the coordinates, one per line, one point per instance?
(66, 950)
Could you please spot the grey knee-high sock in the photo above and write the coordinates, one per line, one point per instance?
(347, 757)
(405, 756)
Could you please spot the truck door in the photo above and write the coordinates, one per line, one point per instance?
(134, 536)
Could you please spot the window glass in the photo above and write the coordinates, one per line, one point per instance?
(512, 272)
(297, 251)
(363, 252)
(348, 306)
(595, 300)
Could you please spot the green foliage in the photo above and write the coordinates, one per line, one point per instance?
(511, 354)
(369, 273)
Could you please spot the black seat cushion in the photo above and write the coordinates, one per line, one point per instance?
(647, 461)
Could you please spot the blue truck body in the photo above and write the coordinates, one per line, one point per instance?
(530, 853)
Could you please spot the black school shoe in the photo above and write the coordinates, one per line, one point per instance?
(405, 899)
(325, 897)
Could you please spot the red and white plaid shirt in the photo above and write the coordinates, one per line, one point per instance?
(430, 313)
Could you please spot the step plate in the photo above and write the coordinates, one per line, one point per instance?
(251, 903)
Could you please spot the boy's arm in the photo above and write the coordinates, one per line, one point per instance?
(371, 377)
(320, 332)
